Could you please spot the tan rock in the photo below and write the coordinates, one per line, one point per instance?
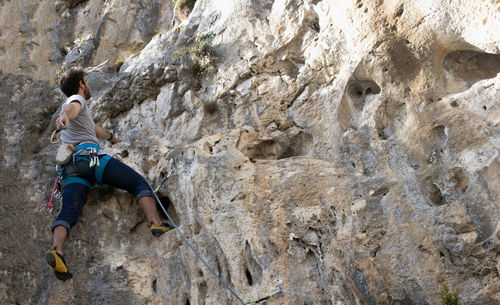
(342, 152)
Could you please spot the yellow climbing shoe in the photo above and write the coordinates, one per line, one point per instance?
(159, 230)
(56, 261)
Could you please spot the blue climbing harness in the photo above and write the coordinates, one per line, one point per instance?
(87, 152)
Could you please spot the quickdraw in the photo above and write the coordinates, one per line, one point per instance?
(57, 189)
(55, 193)
(170, 169)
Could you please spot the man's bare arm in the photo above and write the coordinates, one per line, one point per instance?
(101, 133)
(70, 112)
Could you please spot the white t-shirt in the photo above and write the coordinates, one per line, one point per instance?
(81, 129)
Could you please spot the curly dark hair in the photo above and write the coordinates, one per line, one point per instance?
(70, 81)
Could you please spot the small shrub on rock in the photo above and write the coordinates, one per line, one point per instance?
(449, 297)
(202, 52)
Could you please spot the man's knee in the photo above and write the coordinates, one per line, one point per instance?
(63, 224)
(143, 192)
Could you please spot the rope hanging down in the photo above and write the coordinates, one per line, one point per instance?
(188, 243)
(169, 172)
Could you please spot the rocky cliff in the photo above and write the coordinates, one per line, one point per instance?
(346, 152)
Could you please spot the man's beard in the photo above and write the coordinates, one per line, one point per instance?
(86, 93)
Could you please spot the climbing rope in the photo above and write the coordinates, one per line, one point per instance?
(169, 172)
(192, 248)
(196, 252)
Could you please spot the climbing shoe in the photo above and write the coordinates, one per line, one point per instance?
(159, 230)
(56, 261)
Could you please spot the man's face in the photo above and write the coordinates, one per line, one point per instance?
(86, 89)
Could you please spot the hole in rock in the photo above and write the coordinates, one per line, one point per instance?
(381, 134)
(169, 206)
(313, 22)
(249, 277)
(440, 136)
(485, 108)
(197, 228)
(267, 150)
(459, 179)
(208, 148)
(432, 192)
(282, 148)
(210, 107)
(299, 145)
(463, 68)
(315, 26)
(435, 195)
(154, 285)
(253, 270)
(123, 154)
(203, 288)
(187, 302)
(165, 201)
(400, 11)
(358, 90)
(381, 192)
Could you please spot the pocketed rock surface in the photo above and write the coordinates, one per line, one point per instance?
(344, 152)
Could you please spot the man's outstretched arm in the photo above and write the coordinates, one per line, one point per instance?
(70, 112)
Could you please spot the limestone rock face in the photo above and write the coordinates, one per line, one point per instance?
(342, 152)
(40, 38)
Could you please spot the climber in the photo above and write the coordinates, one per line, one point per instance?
(88, 165)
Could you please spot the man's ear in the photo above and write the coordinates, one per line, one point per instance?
(82, 84)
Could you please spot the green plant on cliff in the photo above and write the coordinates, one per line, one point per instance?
(66, 47)
(61, 71)
(202, 52)
(449, 297)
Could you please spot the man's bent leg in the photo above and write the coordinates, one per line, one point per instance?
(122, 176)
(148, 206)
(58, 238)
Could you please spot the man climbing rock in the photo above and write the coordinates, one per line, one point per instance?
(88, 165)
